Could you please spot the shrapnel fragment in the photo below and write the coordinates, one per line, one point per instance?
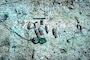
(40, 31)
(39, 18)
(37, 32)
(46, 29)
(54, 32)
(28, 25)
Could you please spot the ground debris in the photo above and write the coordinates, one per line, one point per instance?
(63, 51)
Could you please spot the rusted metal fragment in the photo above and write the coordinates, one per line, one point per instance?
(35, 24)
(79, 27)
(39, 18)
(37, 32)
(40, 31)
(33, 54)
(41, 22)
(28, 25)
(54, 32)
(46, 29)
(63, 51)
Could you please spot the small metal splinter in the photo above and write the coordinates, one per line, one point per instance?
(37, 33)
(54, 32)
(39, 18)
(46, 29)
(28, 25)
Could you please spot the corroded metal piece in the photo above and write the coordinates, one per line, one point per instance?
(28, 25)
(35, 24)
(46, 29)
(79, 27)
(41, 22)
(40, 31)
(54, 32)
(37, 32)
(39, 18)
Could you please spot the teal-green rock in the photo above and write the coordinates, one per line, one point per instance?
(35, 40)
(42, 40)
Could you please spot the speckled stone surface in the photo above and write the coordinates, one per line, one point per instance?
(70, 18)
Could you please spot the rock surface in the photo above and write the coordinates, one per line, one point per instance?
(70, 18)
